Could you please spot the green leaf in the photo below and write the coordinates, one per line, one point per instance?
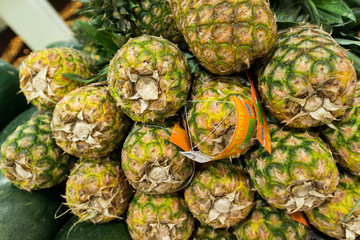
(330, 18)
(312, 10)
(101, 76)
(119, 40)
(346, 42)
(338, 7)
(355, 59)
(352, 211)
(74, 77)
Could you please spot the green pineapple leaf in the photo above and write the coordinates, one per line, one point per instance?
(352, 211)
(338, 7)
(99, 77)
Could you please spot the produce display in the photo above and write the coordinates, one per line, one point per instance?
(179, 119)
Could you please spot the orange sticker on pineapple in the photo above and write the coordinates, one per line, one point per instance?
(263, 132)
(244, 131)
(245, 127)
(300, 217)
(180, 138)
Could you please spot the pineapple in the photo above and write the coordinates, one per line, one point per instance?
(87, 123)
(204, 232)
(266, 222)
(299, 175)
(211, 114)
(149, 78)
(41, 78)
(97, 189)
(165, 217)
(153, 17)
(329, 217)
(219, 195)
(133, 18)
(153, 164)
(307, 80)
(346, 139)
(226, 36)
(30, 158)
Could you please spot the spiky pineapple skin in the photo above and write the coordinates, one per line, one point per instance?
(211, 112)
(133, 18)
(87, 123)
(226, 36)
(345, 141)
(151, 216)
(266, 222)
(307, 80)
(204, 232)
(297, 159)
(154, 59)
(30, 158)
(97, 190)
(148, 153)
(154, 17)
(211, 187)
(58, 61)
(328, 216)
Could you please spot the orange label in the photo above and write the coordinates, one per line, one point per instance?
(300, 217)
(263, 133)
(180, 138)
(244, 130)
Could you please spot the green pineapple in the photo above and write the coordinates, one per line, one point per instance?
(226, 36)
(345, 141)
(153, 164)
(154, 17)
(307, 80)
(133, 18)
(299, 175)
(97, 190)
(152, 217)
(149, 78)
(204, 232)
(30, 158)
(266, 222)
(219, 195)
(41, 78)
(211, 114)
(329, 217)
(87, 123)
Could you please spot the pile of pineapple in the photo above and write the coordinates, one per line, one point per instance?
(110, 140)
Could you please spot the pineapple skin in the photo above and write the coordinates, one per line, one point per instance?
(211, 115)
(45, 93)
(153, 164)
(226, 36)
(152, 217)
(307, 80)
(346, 140)
(158, 61)
(300, 163)
(154, 17)
(133, 18)
(97, 189)
(30, 158)
(87, 123)
(204, 232)
(219, 195)
(266, 222)
(329, 215)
